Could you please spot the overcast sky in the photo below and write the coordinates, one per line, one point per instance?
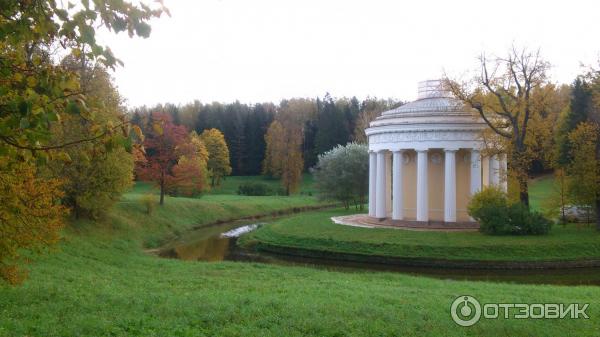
(266, 50)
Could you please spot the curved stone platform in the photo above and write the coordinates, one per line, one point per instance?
(364, 220)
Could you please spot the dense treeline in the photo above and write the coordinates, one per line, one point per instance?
(324, 123)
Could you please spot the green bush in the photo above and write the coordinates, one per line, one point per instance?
(525, 222)
(280, 191)
(496, 216)
(254, 189)
(342, 174)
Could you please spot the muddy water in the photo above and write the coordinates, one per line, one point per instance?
(218, 243)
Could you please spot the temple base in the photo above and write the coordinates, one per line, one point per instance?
(363, 220)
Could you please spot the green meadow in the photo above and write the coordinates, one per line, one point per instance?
(100, 281)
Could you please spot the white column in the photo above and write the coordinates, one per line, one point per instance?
(372, 181)
(450, 185)
(422, 197)
(388, 183)
(494, 168)
(380, 188)
(397, 208)
(475, 171)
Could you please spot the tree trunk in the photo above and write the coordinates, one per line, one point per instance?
(162, 192)
(524, 191)
(521, 166)
(76, 208)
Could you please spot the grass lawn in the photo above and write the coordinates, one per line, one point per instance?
(315, 231)
(99, 282)
(107, 287)
(540, 189)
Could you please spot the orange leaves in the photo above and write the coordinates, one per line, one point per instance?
(30, 214)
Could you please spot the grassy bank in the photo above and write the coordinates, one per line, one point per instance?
(99, 282)
(315, 231)
(129, 218)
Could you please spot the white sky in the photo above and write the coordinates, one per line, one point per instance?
(266, 50)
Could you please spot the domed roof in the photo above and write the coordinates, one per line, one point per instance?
(432, 99)
(434, 120)
(429, 104)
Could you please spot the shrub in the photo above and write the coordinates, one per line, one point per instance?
(149, 202)
(525, 222)
(496, 216)
(254, 189)
(280, 191)
(343, 174)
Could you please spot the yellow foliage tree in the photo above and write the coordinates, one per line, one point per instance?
(584, 170)
(275, 152)
(283, 155)
(30, 215)
(503, 96)
(98, 173)
(191, 172)
(218, 155)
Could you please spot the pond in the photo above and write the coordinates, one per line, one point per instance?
(218, 243)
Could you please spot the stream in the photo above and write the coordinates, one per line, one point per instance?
(218, 243)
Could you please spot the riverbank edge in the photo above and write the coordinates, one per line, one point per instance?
(275, 213)
(398, 261)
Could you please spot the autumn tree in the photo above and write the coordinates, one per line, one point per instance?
(36, 92)
(502, 97)
(584, 169)
(301, 113)
(285, 142)
(275, 150)
(94, 179)
(283, 155)
(548, 105)
(190, 174)
(370, 109)
(31, 215)
(218, 155)
(161, 155)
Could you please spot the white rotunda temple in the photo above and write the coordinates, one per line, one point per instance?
(425, 160)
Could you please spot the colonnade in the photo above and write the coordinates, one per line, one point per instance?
(381, 199)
